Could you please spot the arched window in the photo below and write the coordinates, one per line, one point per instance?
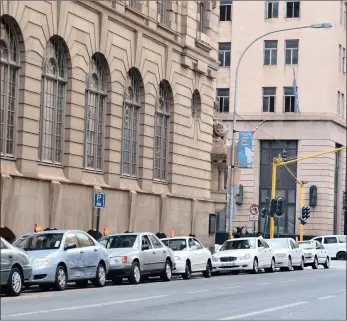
(9, 66)
(54, 87)
(132, 104)
(162, 130)
(96, 95)
(196, 105)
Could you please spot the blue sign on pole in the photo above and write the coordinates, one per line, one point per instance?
(244, 149)
(99, 200)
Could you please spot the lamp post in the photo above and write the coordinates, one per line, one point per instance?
(231, 191)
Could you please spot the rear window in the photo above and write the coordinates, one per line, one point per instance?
(176, 244)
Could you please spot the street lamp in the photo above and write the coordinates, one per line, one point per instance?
(231, 192)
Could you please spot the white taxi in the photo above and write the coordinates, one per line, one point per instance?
(190, 256)
(315, 254)
(244, 254)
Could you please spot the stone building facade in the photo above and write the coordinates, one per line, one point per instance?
(111, 96)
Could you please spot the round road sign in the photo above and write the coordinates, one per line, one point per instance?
(254, 209)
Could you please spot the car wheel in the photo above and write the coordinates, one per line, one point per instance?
(60, 278)
(255, 269)
(135, 274)
(100, 278)
(167, 273)
(272, 267)
(14, 283)
(117, 281)
(327, 263)
(208, 272)
(187, 271)
(302, 264)
(342, 256)
(82, 283)
(315, 263)
(290, 264)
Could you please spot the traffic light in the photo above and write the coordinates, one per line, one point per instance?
(284, 155)
(264, 212)
(307, 213)
(273, 207)
(280, 206)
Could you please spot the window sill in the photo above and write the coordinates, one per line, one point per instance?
(93, 171)
(166, 28)
(8, 157)
(157, 181)
(134, 178)
(48, 164)
(203, 42)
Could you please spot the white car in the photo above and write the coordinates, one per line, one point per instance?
(190, 256)
(315, 254)
(244, 254)
(335, 244)
(288, 254)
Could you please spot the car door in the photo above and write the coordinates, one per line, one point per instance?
(160, 252)
(90, 255)
(321, 253)
(294, 252)
(73, 257)
(148, 255)
(331, 244)
(262, 254)
(193, 255)
(201, 256)
(6, 262)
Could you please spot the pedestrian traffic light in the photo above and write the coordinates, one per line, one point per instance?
(284, 155)
(280, 206)
(273, 207)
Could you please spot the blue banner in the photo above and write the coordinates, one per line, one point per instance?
(244, 149)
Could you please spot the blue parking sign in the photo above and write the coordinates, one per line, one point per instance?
(99, 200)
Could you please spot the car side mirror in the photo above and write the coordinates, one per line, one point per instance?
(145, 247)
(70, 246)
(193, 248)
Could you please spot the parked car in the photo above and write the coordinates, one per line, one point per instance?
(190, 256)
(15, 268)
(315, 254)
(136, 256)
(335, 244)
(61, 256)
(288, 254)
(244, 254)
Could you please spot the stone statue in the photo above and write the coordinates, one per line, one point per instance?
(220, 130)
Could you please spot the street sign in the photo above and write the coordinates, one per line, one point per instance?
(254, 209)
(99, 200)
(253, 217)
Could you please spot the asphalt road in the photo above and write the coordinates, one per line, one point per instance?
(298, 295)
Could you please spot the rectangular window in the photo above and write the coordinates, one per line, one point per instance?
(341, 12)
(343, 60)
(269, 99)
(338, 103)
(289, 100)
(270, 52)
(225, 10)
(162, 12)
(271, 9)
(224, 54)
(293, 9)
(223, 99)
(340, 58)
(344, 13)
(201, 16)
(292, 52)
(343, 106)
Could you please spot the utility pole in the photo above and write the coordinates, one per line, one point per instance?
(345, 193)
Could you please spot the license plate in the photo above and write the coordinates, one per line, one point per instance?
(228, 264)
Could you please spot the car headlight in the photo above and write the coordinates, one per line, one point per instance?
(215, 258)
(244, 257)
(178, 258)
(39, 261)
(118, 260)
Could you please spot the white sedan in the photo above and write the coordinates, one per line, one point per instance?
(244, 254)
(190, 256)
(288, 254)
(315, 254)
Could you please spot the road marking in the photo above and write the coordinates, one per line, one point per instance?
(326, 297)
(232, 287)
(193, 292)
(286, 281)
(81, 307)
(262, 283)
(250, 314)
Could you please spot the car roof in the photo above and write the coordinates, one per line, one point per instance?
(279, 238)
(133, 233)
(53, 232)
(176, 238)
(244, 238)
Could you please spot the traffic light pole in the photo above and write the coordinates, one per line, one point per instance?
(278, 162)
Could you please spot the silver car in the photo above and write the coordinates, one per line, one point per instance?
(61, 256)
(136, 256)
(15, 268)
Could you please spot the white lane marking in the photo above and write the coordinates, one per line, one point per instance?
(262, 283)
(326, 297)
(250, 314)
(232, 287)
(193, 292)
(80, 307)
(286, 281)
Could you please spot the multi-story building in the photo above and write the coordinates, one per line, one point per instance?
(114, 97)
(317, 57)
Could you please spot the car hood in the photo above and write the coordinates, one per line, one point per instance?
(234, 252)
(121, 251)
(307, 250)
(280, 251)
(40, 254)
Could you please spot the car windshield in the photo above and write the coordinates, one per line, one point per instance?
(176, 244)
(123, 241)
(38, 242)
(278, 243)
(306, 245)
(238, 245)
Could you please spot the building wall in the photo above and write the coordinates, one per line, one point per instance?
(127, 37)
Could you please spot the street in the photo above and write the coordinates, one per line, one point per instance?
(298, 295)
